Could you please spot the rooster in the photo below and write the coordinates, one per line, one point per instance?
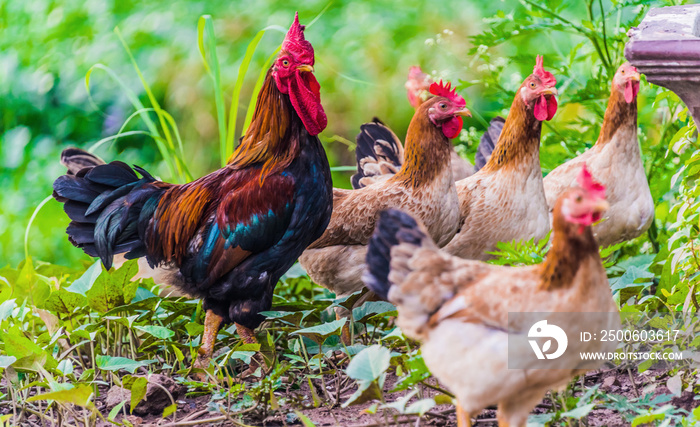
(616, 160)
(461, 307)
(379, 152)
(424, 186)
(229, 236)
(505, 201)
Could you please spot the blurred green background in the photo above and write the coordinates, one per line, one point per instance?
(363, 52)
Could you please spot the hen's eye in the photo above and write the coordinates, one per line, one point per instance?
(579, 199)
(622, 72)
(532, 85)
(443, 106)
(285, 63)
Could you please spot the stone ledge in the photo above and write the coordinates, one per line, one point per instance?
(666, 49)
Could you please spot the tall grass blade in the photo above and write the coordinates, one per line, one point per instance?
(138, 105)
(116, 136)
(121, 131)
(205, 25)
(320, 14)
(29, 225)
(235, 98)
(173, 126)
(179, 162)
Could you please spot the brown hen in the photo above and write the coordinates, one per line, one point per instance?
(459, 308)
(424, 186)
(505, 201)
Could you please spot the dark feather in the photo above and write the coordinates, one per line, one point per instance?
(393, 228)
(114, 174)
(76, 212)
(80, 233)
(88, 248)
(488, 142)
(376, 144)
(104, 203)
(72, 188)
(108, 197)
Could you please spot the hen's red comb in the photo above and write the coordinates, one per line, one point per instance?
(440, 89)
(586, 181)
(546, 77)
(296, 44)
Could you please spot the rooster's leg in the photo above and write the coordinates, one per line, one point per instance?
(248, 336)
(212, 323)
(463, 419)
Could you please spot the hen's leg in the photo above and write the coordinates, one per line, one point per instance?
(463, 419)
(212, 323)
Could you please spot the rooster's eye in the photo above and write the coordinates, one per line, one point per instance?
(443, 106)
(285, 63)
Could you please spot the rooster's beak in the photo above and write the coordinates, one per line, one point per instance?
(549, 91)
(306, 67)
(635, 77)
(601, 206)
(463, 113)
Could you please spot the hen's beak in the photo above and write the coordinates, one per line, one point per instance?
(601, 206)
(634, 77)
(549, 91)
(306, 67)
(464, 113)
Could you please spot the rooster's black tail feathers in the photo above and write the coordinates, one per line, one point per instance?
(109, 207)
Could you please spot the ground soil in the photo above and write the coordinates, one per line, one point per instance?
(193, 411)
(328, 414)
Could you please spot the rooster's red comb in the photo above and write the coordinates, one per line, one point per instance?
(445, 90)
(546, 77)
(586, 181)
(296, 45)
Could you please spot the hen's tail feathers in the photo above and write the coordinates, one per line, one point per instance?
(379, 154)
(109, 207)
(393, 229)
(488, 142)
(75, 159)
